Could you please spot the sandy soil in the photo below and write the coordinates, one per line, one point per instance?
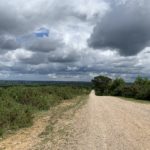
(25, 138)
(104, 123)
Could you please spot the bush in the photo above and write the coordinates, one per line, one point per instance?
(117, 86)
(143, 93)
(143, 88)
(141, 81)
(127, 91)
(140, 89)
(14, 115)
(18, 103)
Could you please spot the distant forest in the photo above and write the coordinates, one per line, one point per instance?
(33, 83)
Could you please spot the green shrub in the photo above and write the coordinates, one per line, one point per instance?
(14, 115)
(18, 103)
(128, 91)
(140, 89)
(1, 131)
(117, 86)
(141, 81)
(143, 88)
(143, 93)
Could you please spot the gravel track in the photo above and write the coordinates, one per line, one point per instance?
(110, 123)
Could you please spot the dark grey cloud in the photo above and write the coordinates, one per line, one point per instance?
(43, 44)
(9, 19)
(8, 43)
(125, 28)
(19, 22)
(13, 20)
(17, 18)
(60, 56)
(35, 59)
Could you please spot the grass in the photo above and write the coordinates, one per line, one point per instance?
(18, 104)
(59, 112)
(60, 122)
(136, 100)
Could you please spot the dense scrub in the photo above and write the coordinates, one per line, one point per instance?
(139, 89)
(18, 103)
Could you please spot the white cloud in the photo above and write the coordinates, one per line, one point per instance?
(52, 76)
(17, 54)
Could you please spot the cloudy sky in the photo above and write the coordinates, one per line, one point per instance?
(74, 40)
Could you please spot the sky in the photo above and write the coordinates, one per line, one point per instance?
(77, 40)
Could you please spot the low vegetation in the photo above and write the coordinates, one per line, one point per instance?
(139, 89)
(19, 103)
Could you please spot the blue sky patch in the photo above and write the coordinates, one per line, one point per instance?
(42, 32)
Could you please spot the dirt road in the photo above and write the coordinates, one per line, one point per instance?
(103, 123)
(110, 123)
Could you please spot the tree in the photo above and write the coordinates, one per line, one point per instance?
(101, 85)
(117, 86)
(141, 81)
(143, 88)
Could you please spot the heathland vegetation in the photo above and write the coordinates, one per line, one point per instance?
(139, 89)
(19, 103)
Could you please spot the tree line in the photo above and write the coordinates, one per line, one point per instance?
(139, 89)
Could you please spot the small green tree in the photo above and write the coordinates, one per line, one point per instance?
(101, 85)
(117, 86)
(139, 81)
(143, 88)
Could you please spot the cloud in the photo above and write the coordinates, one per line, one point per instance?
(52, 76)
(50, 42)
(12, 57)
(8, 43)
(41, 40)
(64, 56)
(125, 28)
(43, 44)
(35, 59)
